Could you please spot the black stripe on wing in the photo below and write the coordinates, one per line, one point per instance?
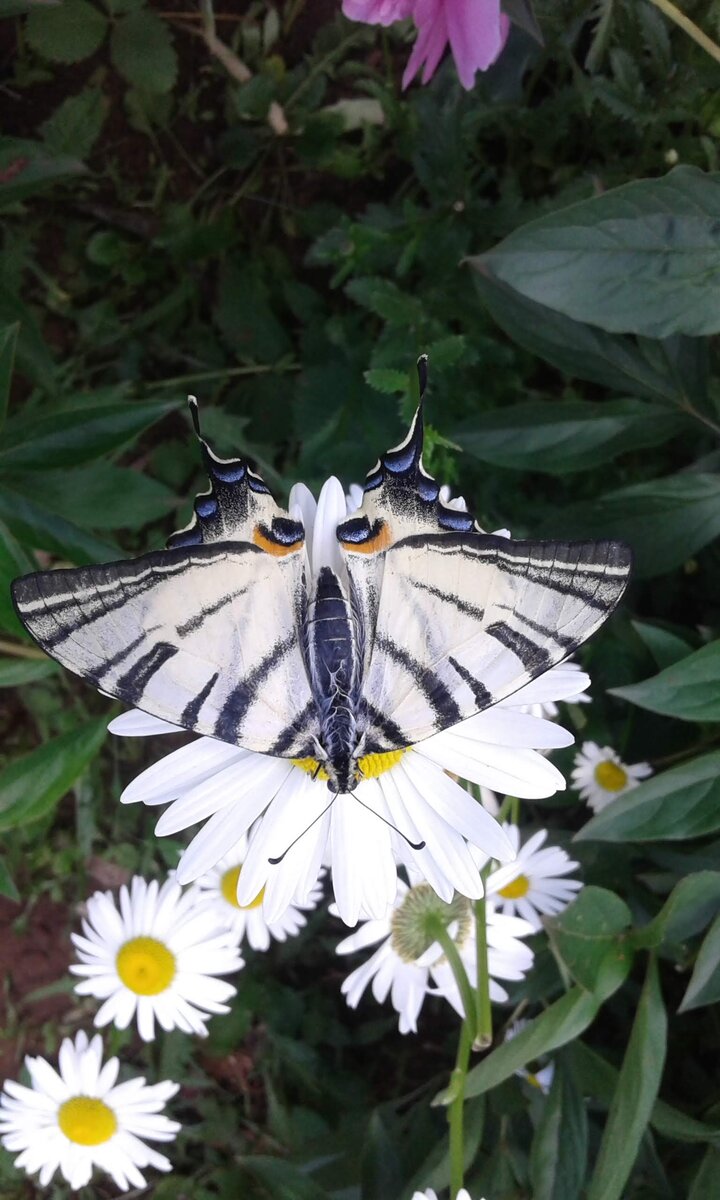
(426, 680)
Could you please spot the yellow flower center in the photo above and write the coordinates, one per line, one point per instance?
(369, 766)
(516, 889)
(87, 1121)
(611, 776)
(229, 887)
(146, 966)
(533, 1080)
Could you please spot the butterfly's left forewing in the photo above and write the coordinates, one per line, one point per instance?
(465, 620)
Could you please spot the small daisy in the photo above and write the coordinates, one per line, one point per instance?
(219, 889)
(542, 1078)
(156, 956)
(407, 962)
(405, 790)
(531, 887)
(80, 1118)
(600, 776)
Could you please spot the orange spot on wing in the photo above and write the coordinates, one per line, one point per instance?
(374, 545)
(279, 549)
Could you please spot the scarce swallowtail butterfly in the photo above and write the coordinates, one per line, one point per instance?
(412, 621)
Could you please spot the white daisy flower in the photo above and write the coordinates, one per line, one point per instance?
(404, 794)
(218, 888)
(600, 775)
(543, 1077)
(79, 1118)
(531, 887)
(408, 965)
(154, 956)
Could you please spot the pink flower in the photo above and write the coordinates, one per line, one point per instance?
(378, 12)
(476, 30)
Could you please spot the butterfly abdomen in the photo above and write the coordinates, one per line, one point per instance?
(334, 669)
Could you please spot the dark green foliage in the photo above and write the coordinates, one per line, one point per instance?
(276, 228)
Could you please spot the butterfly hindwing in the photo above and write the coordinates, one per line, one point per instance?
(465, 620)
(205, 637)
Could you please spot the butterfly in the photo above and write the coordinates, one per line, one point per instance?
(412, 621)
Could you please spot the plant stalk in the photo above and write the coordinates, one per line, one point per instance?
(689, 27)
(456, 1110)
(483, 1011)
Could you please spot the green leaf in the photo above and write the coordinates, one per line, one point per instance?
(27, 168)
(245, 316)
(559, 1024)
(143, 51)
(384, 379)
(665, 647)
(33, 358)
(14, 672)
(561, 437)
(681, 803)
(558, 1155)
(637, 1089)
(691, 905)
(386, 300)
(688, 690)
(597, 1078)
(643, 258)
(76, 435)
(31, 786)
(66, 33)
(704, 985)
(7, 884)
(587, 935)
(40, 528)
(380, 1168)
(665, 521)
(579, 350)
(76, 124)
(13, 562)
(103, 496)
(284, 1181)
(8, 340)
(705, 1182)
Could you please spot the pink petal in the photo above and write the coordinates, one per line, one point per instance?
(477, 31)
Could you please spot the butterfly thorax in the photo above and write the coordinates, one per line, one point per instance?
(334, 669)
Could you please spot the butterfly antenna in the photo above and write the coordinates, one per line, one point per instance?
(274, 862)
(399, 832)
(422, 373)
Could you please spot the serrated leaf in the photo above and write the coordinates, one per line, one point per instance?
(665, 521)
(558, 438)
(587, 935)
(8, 341)
(704, 985)
(143, 51)
(386, 380)
(31, 786)
(66, 33)
(642, 258)
(636, 1092)
(76, 124)
(558, 1155)
(687, 690)
(77, 435)
(385, 299)
(681, 803)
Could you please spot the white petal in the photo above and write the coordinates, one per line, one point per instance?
(175, 774)
(140, 724)
(459, 809)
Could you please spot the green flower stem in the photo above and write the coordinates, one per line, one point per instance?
(439, 933)
(457, 1108)
(483, 1011)
(689, 27)
(509, 810)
